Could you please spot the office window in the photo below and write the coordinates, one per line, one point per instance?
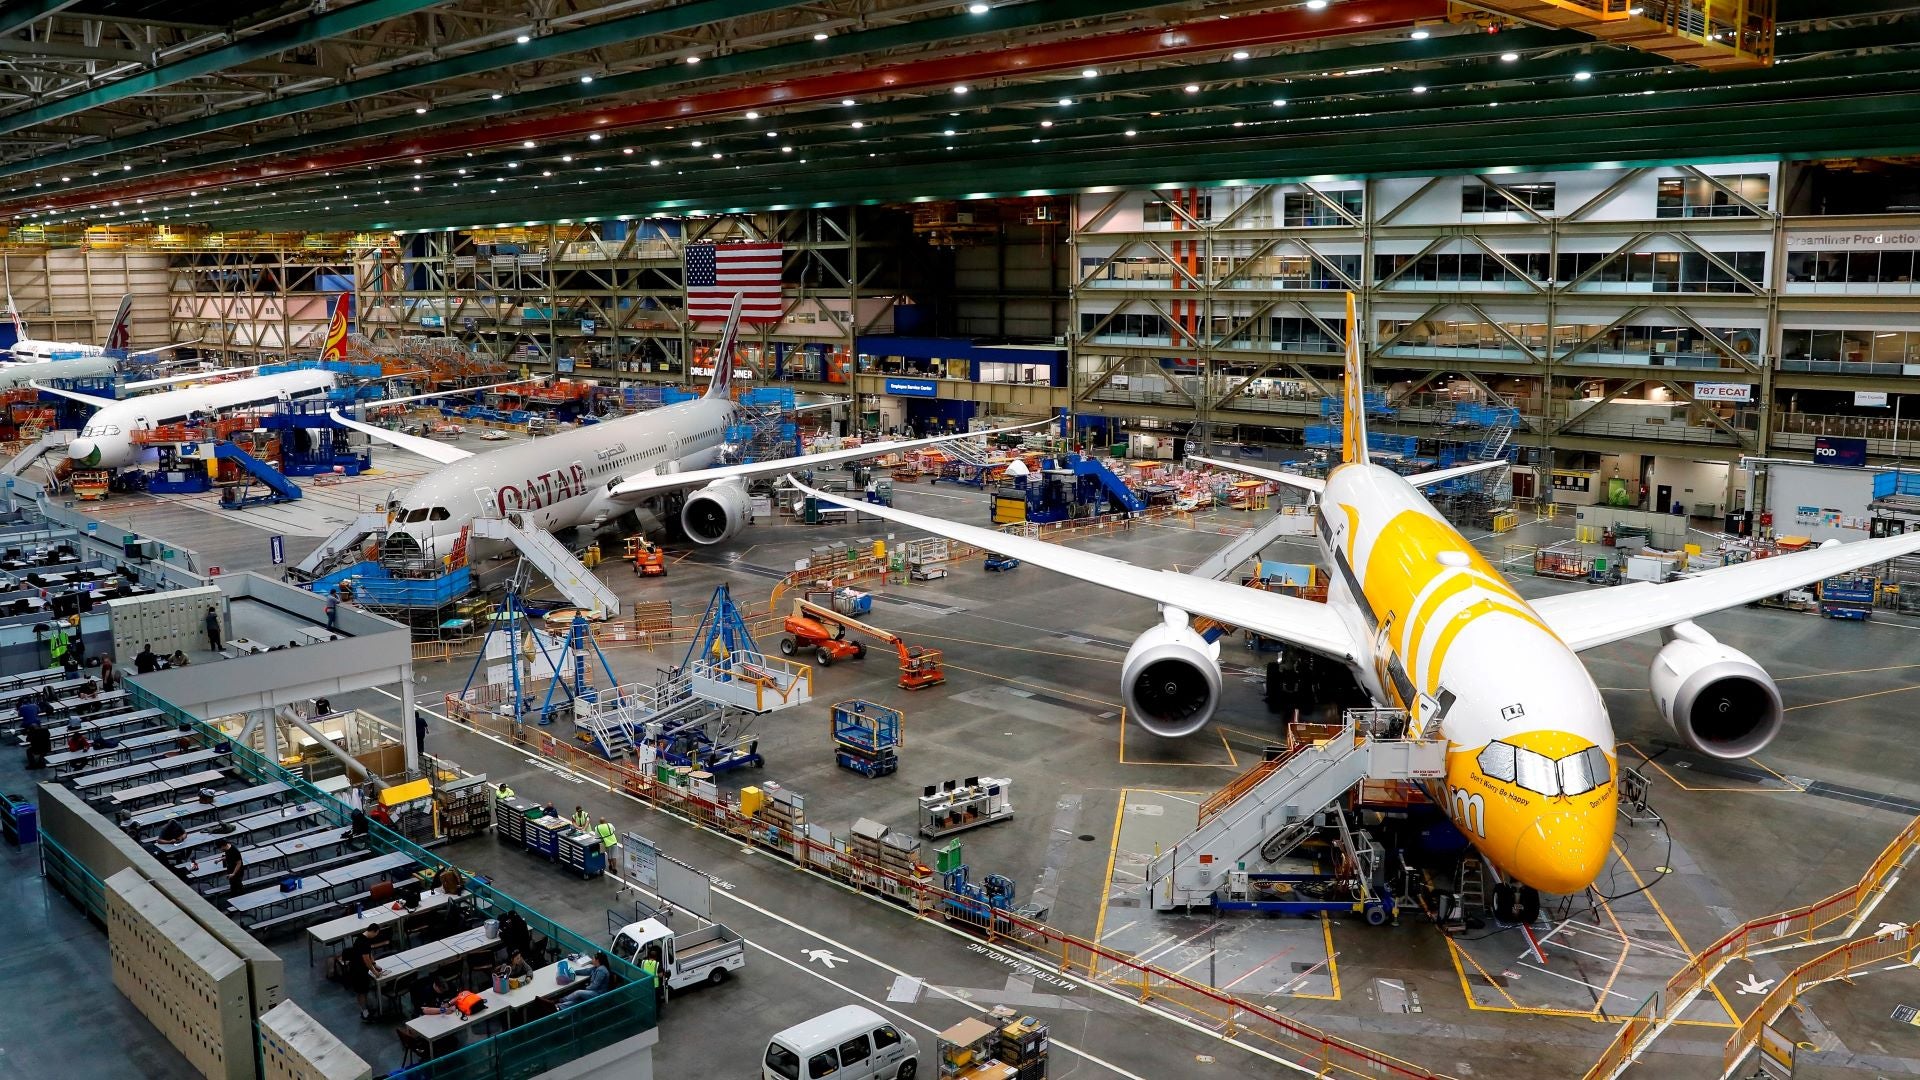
(1851, 266)
(1162, 212)
(1303, 208)
(1478, 198)
(1304, 335)
(1686, 196)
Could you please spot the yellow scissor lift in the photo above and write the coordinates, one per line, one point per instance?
(1716, 35)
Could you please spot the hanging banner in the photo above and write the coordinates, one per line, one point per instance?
(1713, 391)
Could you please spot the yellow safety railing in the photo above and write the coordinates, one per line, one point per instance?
(1790, 929)
(1897, 942)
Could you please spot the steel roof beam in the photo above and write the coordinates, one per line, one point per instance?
(1200, 36)
(24, 13)
(19, 46)
(547, 47)
(259, 46)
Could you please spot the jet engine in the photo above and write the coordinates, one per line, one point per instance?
(716, 512)
(1170, 679)
(1715, 698)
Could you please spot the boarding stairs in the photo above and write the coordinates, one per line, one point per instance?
(283, 489)
(1110, 482)
(580, 586)
(45, 444)
(612, 720)
(1270, 810)
(970, 451)
(343, 548)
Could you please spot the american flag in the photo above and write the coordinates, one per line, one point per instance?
(715, 272)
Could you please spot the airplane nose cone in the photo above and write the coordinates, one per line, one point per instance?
(1563, 852)
(84, 451)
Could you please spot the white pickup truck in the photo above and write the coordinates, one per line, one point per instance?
(705, 955)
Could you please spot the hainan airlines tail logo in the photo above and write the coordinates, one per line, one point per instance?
(336, 346)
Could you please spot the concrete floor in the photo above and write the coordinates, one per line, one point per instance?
(1032, 662)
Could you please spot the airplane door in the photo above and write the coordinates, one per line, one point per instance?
(487, 501)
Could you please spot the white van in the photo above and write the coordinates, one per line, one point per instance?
(852, 1043)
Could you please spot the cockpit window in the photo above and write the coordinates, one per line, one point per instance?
(1536, 772)
(1496, 761)
(439, 513)
(417, 514)
(1575, 774)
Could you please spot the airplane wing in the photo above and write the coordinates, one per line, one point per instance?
(1286, 618)
(1441, 476)
(822, 405)
(87, 399)
(649, 483)
(1304, 483)
(168, 380)
(1586, 620)
(412, 444)
(163, 348)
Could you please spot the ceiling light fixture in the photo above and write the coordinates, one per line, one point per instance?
(693, 59)
(846, 101)
(1316, 5)
(822, 36)
(1582, 76)
(857, 125)
(751, 115)
(961, 89)
(421, 109)
(698, 143)
(595, 137)
(497, 95)
(1089, 73)
(1279, 103)
(1193, 88)
(1241, 54)
(628, 150)
(1421, 35)
(586, 79)
(1131, 133)
(977, 9)
(1046, 123)
(522, 39)
(1509, 57)
(1419, 89)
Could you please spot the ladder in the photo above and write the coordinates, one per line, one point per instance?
(1493, 483)
(580, 586)
(1472, 887)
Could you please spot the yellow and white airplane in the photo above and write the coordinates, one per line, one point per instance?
(1426, 625)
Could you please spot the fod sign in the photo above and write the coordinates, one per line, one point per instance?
(1828, 450)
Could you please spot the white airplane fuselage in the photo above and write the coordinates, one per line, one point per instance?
(32, 351)
(107, 440)
(23, 370)
(1530, 755)
(557, 481)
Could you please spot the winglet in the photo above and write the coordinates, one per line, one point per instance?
(722, 384)
(1353, 406)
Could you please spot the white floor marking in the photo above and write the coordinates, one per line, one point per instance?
(1094, 986)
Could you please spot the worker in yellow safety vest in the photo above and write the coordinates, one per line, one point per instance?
(609, 839)
(582, 820)
(503, 792)
(651, 965)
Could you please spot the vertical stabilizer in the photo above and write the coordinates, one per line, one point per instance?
(1353, 405)
(722, 384)
(13, 312)
(336, 346)
(120, 334)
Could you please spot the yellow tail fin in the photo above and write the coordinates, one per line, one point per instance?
(1353, 405)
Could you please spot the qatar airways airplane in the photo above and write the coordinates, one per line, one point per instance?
(1426, 625)
(594, 473)
(28, 350)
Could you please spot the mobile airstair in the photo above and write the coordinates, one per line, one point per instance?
(279, 488)
(343, 548)
(580, 586)
(1268, 812)
(45, 444)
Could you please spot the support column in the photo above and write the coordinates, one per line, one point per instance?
(407, 707)
(272, 734)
